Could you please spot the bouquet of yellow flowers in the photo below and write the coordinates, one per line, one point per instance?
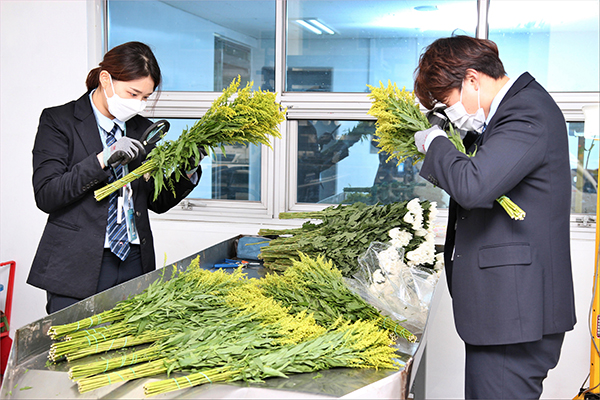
(251, 117)
(399, 118)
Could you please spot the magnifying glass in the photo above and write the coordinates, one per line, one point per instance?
(155, 132)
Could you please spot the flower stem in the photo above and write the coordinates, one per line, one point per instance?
(155, 367)
(117, 343)
(78, 372)
(146, 167)
(112, 315)
(221, 374)
(513, 210)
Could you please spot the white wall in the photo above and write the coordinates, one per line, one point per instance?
(45, 47)
(44, 56)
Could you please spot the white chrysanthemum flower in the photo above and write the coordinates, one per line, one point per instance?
(430, 236)
(418, 222)
(409, 218)
(421, 232)
(433, 212)
(416, 211)
(439, 261)
(401, 238)
(414, 206)
(396, 268)
(388, 259)
(378, 276)
(389, 255)
(424, 254)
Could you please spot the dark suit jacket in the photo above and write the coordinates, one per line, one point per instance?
(510, 280)
(65, 174)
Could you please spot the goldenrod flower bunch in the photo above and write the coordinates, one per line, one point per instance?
(219, 326)
(399, 118)
(237, 116)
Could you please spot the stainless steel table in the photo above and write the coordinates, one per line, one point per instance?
(28, 375)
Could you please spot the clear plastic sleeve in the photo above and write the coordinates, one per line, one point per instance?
(398, 290)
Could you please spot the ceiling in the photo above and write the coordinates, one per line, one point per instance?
(387, 18)
(373, 18)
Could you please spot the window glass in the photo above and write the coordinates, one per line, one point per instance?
(234, 175)
(341, 46)
(200, 45)
(339, 163)
(555, 41)
(583, 149)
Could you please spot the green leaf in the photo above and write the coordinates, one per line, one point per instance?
(268, 371)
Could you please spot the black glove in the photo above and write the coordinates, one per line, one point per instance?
(123, 151)
(195, 164)
(203, 154)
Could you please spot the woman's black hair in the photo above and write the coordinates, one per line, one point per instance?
(126, 62)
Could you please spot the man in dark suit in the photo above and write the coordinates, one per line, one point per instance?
(510, 280)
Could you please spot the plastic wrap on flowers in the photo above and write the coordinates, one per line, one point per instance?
(399, 277)
(403, 291)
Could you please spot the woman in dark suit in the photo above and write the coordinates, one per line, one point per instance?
(89, 246)
(510, 280)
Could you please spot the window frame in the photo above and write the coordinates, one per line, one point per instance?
(279, 166)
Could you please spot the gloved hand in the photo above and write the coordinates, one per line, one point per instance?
(203, 154)
(195, 164)
(123, 151)
(421, 137)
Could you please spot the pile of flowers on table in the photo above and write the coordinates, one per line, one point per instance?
(400, 278)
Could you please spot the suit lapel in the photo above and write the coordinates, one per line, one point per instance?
(521, 82)
(134, 132)
(87, 127)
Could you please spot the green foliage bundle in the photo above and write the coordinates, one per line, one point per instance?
(398, 118)
(218, 326)
(236, 116)
(315, 285)
(344, 233)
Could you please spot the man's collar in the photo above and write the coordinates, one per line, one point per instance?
(498, 99)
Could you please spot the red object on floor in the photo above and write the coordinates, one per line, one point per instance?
(5, 340)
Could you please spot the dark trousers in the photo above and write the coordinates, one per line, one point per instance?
(112, 273)
(513, 371)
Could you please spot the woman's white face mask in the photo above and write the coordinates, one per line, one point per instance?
(459, 116)
(123, 109)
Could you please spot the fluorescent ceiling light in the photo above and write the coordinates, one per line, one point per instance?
(308, 26)
(315, 26)
(321, 26)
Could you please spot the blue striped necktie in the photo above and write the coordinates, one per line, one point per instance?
(117, 233)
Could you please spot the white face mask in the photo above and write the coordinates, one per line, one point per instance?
(123, 109)
(462, 119)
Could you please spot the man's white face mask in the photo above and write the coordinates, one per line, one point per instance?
(462, 119)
